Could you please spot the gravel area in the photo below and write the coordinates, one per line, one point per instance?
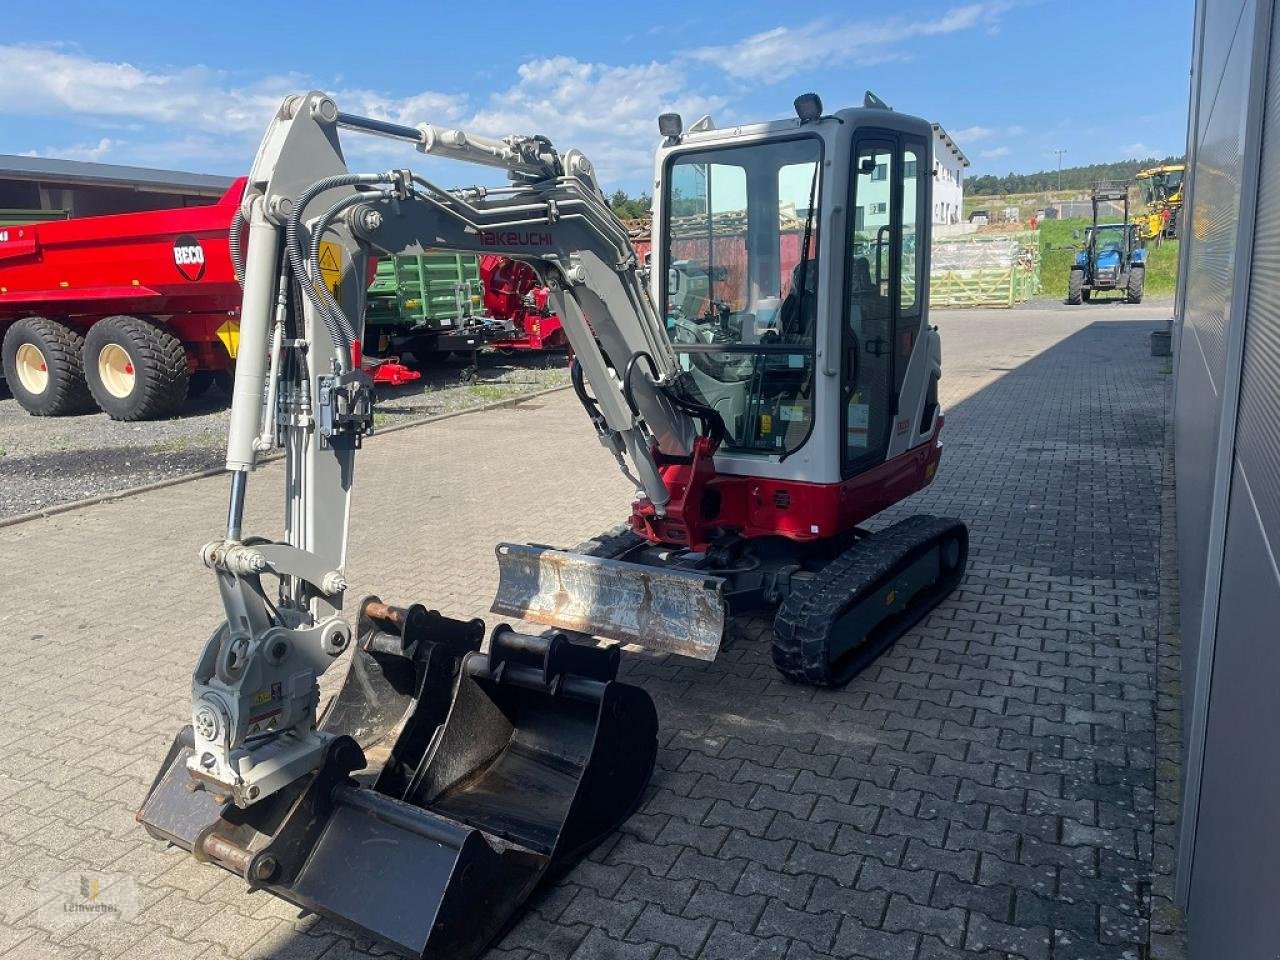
(45, 461)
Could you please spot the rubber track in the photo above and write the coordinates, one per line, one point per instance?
(163, 392)
(71, 394)
(612, 543)
(802, 627)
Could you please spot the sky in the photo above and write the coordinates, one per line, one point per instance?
(192, 87)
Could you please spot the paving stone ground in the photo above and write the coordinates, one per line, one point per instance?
(986, 790)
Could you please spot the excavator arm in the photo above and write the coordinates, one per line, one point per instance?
(312, 227)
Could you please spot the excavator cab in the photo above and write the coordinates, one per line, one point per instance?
(773, 388)
(806, 241)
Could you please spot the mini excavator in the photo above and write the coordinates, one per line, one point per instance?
(767, 383)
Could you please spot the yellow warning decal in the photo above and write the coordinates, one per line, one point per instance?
(331, 265)
(766, 423)
(229, 334)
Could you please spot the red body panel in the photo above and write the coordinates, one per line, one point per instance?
(508, 285)
(159, 262)
(703, 502)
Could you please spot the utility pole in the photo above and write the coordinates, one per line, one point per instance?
(1060, 152)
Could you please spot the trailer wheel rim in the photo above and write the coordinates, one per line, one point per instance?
(115, 370)
(33, 369)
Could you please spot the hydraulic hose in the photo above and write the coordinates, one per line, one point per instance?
(325, 296)
(298, 260)
(233, 244)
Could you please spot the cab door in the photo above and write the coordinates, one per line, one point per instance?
(872, 254)
(882, 294)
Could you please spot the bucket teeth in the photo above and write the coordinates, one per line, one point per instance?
(668, 609)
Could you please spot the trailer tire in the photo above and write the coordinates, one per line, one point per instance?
(1136, 285)
(136, 368)
(43, 367)
(1075, 287)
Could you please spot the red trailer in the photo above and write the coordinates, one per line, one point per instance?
(131, 311)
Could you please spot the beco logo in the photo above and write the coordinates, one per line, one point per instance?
(188, 257)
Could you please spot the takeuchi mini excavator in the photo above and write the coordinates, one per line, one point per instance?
(772, 386)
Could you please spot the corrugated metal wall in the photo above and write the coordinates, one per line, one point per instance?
(1227, 432)
(1211, 234)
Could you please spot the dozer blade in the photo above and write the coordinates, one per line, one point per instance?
(542, 754)
(669, 609)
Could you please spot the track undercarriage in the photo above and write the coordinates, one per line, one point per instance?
(840, 602)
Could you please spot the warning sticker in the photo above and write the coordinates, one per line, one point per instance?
(264, 722)
(331, 265)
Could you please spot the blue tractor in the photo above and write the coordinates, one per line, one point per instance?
(1114, 258)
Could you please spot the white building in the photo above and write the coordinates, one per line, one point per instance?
(949, 163)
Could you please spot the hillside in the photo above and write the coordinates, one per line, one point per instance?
(1073, 178)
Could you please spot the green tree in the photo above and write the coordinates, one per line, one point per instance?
(1073, 178)
(627, 207)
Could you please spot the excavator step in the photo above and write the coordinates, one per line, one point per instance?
(536, 754)
(858, 605)
(666, 608)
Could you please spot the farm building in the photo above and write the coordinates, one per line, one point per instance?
(38, 188)
(949, 164)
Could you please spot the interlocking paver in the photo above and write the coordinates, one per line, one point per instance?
(996, 782)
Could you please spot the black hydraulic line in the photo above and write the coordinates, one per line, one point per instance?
(589, 404)
(712, 423)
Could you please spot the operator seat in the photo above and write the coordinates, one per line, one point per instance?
(864, 293)
(798, 318)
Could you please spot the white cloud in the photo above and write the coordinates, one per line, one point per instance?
(783, 51)
(200, 117)
(78, 151)
(1139, 151)
(973, 134)
(994, 152)
(608, 112)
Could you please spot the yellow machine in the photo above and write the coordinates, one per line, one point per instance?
(1161, 190)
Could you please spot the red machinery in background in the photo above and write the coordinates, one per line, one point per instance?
(512, 292)
(129, 311)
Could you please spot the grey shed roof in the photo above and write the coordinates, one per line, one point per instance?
(47, 170)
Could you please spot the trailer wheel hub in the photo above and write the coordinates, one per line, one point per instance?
(33, 371)
(115, 369)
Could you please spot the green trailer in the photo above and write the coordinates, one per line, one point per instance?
(429, 303)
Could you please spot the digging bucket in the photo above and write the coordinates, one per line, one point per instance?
(540, 755)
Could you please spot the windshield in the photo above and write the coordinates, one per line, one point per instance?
(1110, 236)
(1160, 186)
(740, 284)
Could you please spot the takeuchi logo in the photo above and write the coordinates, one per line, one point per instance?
(515, 238)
